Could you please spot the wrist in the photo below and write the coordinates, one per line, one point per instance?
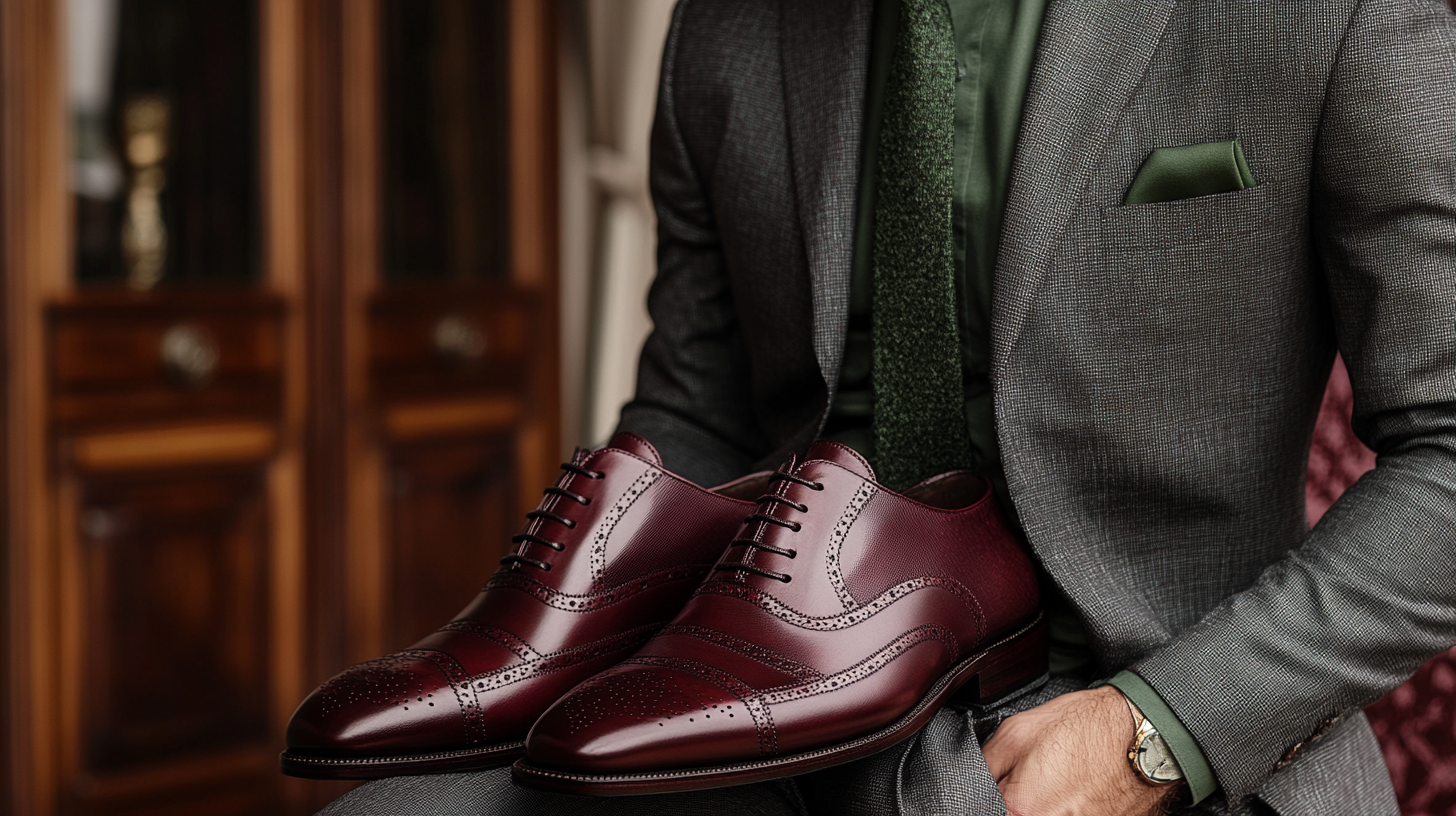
(1201, 782)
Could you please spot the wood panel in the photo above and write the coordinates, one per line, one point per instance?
(173, 446)
(452, 509)
(36, 263)
(535, 244)
(436, 418)
(168, 655)
(445, 203)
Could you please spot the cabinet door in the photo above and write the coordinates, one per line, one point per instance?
(281, 374)
(152, 260)
(448, 235)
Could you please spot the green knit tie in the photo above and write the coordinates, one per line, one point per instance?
(920, 423)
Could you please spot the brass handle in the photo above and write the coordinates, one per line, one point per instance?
(146, 120)
(458, 339)
(189, 355)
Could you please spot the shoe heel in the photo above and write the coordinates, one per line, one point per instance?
(1013, 665)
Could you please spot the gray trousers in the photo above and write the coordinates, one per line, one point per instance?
(939, 771)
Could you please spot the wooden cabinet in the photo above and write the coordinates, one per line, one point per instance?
(280, 372)
(167, 658)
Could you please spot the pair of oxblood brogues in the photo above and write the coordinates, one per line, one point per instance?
(650, 635)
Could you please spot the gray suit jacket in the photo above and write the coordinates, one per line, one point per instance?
(1157, 368)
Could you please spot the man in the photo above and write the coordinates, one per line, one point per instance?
(1143, 362)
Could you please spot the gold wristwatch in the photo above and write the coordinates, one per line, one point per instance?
(1149, 754)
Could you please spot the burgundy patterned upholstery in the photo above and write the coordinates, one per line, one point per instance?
(1416, 723)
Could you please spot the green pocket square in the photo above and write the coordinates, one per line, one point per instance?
(1173, 173)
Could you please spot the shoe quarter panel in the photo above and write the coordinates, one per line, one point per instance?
(817, 587)
(671, 522)
(897, 541)
(573, 569)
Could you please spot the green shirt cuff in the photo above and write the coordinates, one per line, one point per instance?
(1201, 781)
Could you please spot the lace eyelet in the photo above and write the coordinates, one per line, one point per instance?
(545, 566)
(797, 527)
(596, 474)
(787, 578)
(793, 553)
(818, 486)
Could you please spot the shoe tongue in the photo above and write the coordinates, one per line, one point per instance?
(827, 450)
(637, 446)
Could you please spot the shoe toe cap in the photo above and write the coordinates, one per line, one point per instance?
(641, 718)
(397, 704)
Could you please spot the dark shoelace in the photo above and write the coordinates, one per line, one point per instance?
(544, 515)
(763, 515)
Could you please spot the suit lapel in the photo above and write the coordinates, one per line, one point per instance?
(825, 53)
(1091, 57)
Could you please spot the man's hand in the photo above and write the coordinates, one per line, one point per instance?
(1069, 756)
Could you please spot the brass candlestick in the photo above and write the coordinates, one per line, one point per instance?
(145, 120)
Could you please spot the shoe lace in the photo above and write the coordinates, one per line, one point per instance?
(546, 515)
(766, 504)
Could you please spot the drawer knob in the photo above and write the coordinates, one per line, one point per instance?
(99, 524)
(458, 339)
(189, 355)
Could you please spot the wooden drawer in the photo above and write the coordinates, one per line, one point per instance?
(440, 341)
(119, 358)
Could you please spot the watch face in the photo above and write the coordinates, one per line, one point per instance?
(1156, 761)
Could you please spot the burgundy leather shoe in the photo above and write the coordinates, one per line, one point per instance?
(609, 556)
(836, 625)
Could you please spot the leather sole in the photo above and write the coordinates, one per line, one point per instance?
(1000, 671)
(464, 759)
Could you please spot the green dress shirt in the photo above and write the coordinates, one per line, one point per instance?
(995, 45)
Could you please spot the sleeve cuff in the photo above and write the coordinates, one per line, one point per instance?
(1201, 781)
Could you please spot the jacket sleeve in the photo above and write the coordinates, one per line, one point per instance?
(693, 390)
(1371, 593)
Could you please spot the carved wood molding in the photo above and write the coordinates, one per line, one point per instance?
(33, 201)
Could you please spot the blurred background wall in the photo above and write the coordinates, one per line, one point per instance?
(608, 95)
(303, 300)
